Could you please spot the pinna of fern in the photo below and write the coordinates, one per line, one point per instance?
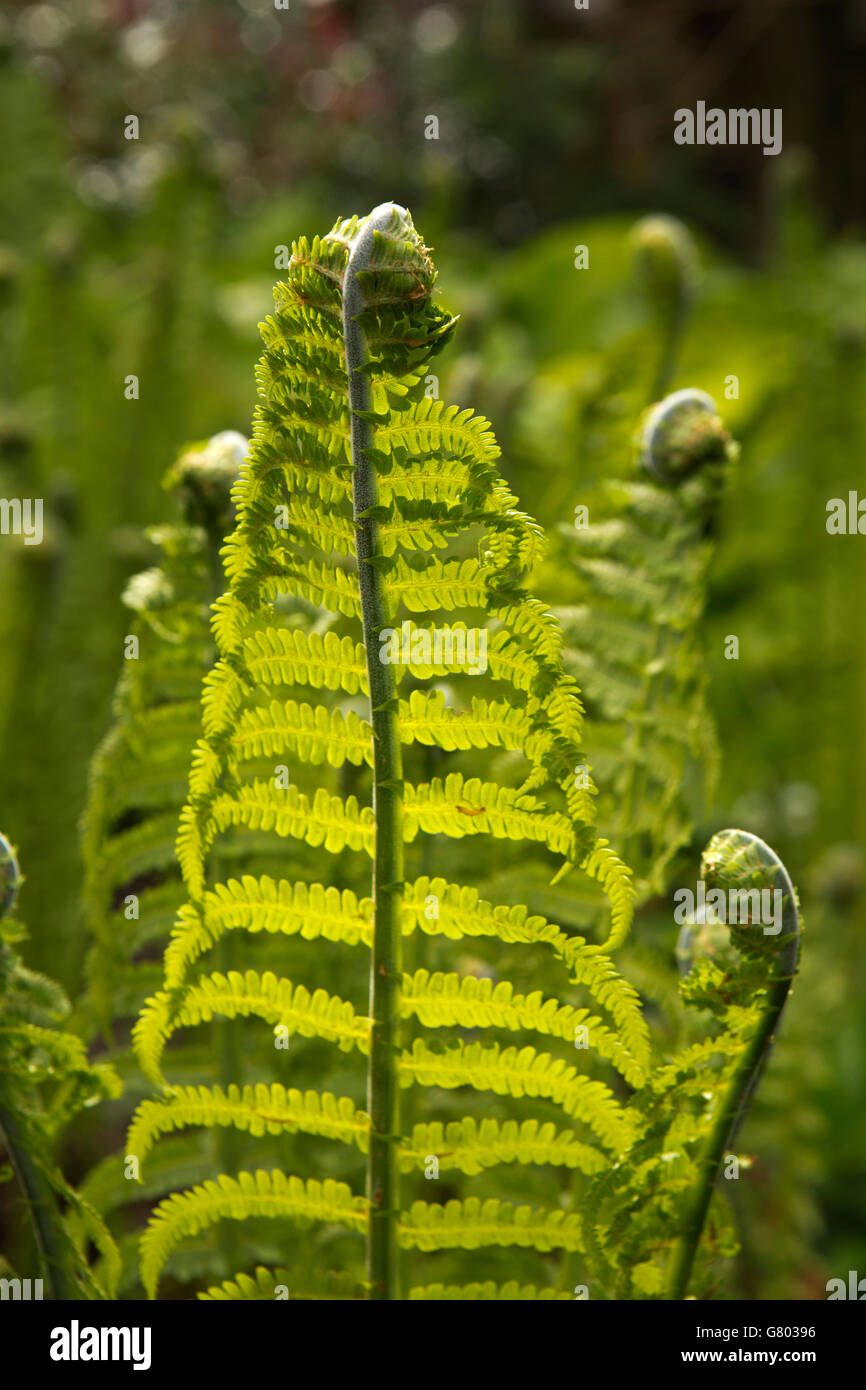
(363, 495)
(45, 1079)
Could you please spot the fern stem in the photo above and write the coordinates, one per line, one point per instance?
(732, 1110)
(386, 961)
(41, 1204)
(667, 265)
(716, 1145)
(668, 357)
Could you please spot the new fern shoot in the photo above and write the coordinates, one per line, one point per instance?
(365, 497)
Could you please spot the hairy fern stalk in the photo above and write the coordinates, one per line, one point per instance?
(364, 738)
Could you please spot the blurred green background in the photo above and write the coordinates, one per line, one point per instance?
(156, 257)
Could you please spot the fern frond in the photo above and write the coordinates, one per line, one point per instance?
(365, 501)
(461, 912)
(486, 1293)
(261, 1194)
(459, 807)
(268, 1284)
(265, 905)
(287, 656)
(257, 1109)
(314, 734)
(449, 1001)
(238, 995)
(470, 1147)
(522, 1072)
(473, 1223)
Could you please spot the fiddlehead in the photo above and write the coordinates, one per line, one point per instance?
(742, 948)
(755, 986)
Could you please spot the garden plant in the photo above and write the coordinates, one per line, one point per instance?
(362, 1015)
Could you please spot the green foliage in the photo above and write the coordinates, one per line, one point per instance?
(740, 969)
(435, 479)
(634, 638)
(132, 889)
(156, 257)
(367, 504)
(132, 885)
(657, 1155)
(45, 1080)
(666, 265)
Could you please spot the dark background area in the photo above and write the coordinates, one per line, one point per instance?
(546, 112)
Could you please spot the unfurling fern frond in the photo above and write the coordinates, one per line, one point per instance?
(367, 496)
(741, 951)
(633, 636)
(45, 1079)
